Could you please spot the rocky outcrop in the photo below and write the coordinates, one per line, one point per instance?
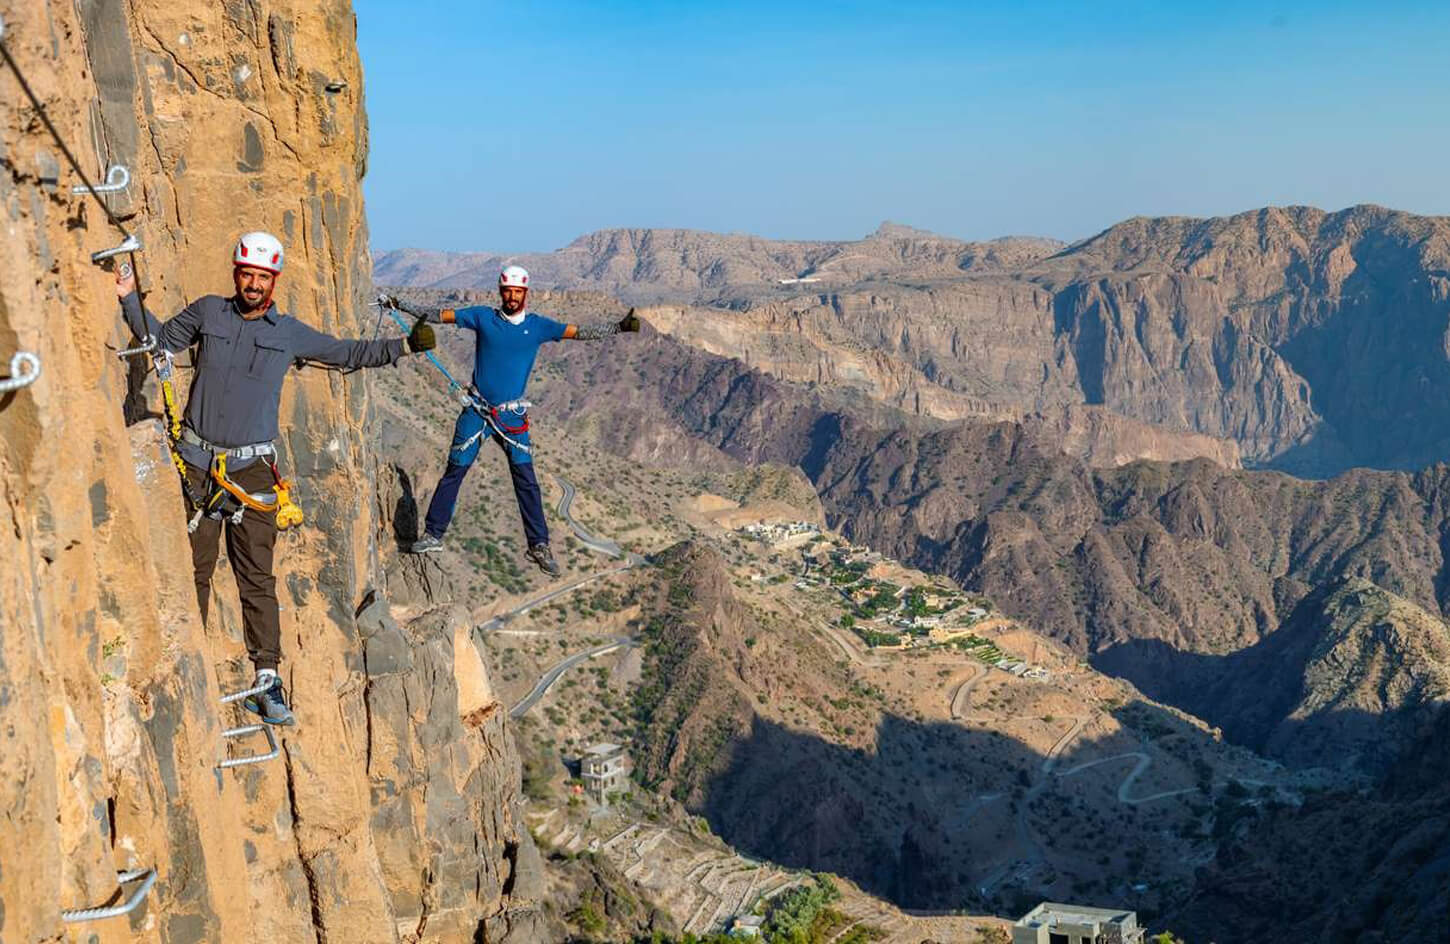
(1349, 680)
(391, 811)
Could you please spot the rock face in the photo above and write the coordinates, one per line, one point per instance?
(390, 812)
(1348, 680)
(1307, 341)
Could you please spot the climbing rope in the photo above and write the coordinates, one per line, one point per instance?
(24, 369)
(469, 397)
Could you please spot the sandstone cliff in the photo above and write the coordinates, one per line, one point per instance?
(390, 813)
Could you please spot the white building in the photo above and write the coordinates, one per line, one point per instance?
(604, 770)
(1057, 923)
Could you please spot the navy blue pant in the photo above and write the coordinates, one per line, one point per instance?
(468, 435)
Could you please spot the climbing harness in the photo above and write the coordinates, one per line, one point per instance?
(279, 502)
(224, 499)
(494, 417)
(217, 504)
(469, 397)
(24, 369)
(161, 362)
(147, 878)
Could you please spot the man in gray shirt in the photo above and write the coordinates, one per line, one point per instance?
(244, 347)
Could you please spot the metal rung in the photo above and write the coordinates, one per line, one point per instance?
(247, 729)
(148, 878)
(24, 369)
(244, 730)
(118, 178)
(238, 696)
(147, 348)
(131, 243)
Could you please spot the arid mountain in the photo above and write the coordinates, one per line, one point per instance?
(1156, 571)
(749, 726)
(1349, 680)
(1178, 576)
(1367, 867)
(1312, 341)
(645, 265)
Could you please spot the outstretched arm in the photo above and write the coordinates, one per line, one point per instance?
(309, 343)
(428, 313)
(603, 329)
(176, 334)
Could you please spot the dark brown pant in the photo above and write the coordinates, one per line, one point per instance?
(249, 548)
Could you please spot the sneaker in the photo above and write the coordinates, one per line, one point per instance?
(427, 544)
(541, 555)
(271, 704)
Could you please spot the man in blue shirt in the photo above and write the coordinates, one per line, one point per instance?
(508, 341)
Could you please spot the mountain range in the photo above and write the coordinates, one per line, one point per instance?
(1307, 341)
(1256, 533)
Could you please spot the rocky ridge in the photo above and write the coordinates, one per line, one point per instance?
(1311, 341)
(642, 265)
(391, 812)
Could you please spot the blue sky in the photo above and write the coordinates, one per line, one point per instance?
(518, 127)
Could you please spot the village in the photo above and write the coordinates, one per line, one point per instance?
(886, 605)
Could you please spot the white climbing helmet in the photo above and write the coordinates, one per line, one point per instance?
(514, 275)
(261, 250)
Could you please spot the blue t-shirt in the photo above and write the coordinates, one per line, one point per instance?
(505, 352)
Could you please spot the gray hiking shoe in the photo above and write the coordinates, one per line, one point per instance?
(427, 544)
(541, 555)
(271, 704)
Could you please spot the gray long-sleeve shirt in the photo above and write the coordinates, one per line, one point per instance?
(241, 363)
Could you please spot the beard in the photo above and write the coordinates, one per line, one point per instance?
(255, 302)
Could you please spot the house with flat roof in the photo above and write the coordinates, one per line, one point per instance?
(748, 927)
(1057, 923)
(604, 770)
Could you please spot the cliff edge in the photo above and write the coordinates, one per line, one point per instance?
(391, 812)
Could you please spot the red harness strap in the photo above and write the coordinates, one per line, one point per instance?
(511, 430)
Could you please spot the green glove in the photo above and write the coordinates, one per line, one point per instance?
(421, 338)
(629, 322)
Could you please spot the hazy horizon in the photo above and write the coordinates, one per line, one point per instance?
(520, 130)
(500, 251)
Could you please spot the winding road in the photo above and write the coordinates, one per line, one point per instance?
(1144, 762)
(962, 699)
(554, 673)
(566, 504)
(960, 703)
(552, 676)
(502, 618)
